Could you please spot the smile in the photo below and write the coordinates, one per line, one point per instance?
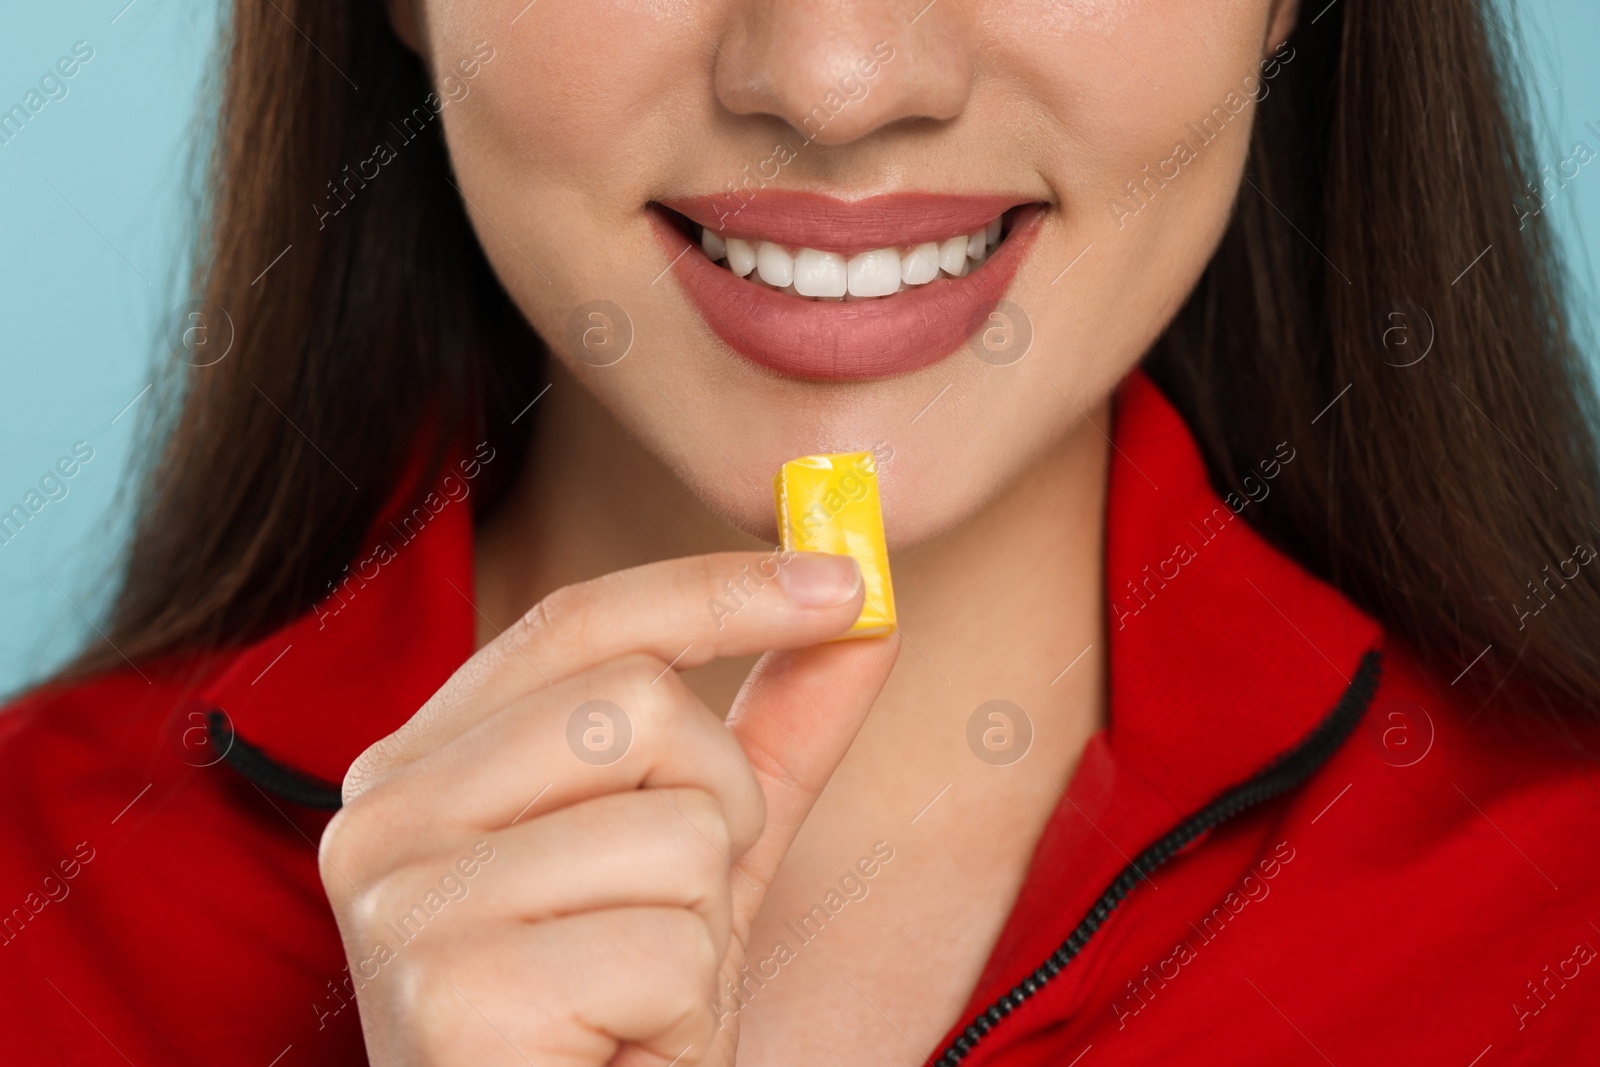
(875, 273)
(814, 287)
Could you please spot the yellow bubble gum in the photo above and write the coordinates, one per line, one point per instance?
(830, 504)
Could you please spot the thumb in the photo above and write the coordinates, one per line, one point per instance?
(795, 718)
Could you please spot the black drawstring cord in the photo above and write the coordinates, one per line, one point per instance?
(266, 772)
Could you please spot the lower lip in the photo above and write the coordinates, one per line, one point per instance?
(847, 340)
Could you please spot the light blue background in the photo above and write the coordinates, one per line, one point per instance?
(96, 206)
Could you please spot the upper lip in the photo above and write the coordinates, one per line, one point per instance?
(842, 340)
(828, 224)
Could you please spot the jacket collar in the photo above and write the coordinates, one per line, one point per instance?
(312, 696)
(1224, 656)
(1223, 652)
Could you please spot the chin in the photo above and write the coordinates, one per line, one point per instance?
(920, 498)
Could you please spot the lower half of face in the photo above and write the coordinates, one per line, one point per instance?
(759, 231)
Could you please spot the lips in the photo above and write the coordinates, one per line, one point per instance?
(911, 326)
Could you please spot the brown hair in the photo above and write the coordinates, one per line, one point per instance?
(1447, 495)
(1385, 168)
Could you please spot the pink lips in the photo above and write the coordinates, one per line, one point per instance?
(844, 340)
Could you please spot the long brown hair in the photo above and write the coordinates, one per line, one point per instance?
(1443, 495)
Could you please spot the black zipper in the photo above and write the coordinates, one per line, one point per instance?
(1285, 773)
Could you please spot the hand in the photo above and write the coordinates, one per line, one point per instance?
(508, 896)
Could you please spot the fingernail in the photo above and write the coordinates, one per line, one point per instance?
(820, 579)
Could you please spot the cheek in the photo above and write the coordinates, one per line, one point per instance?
(1150, 112)
(571, 90)
(565, 133)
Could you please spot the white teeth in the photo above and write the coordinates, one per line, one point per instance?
(874, 273)
(921, 265)
(741, 256)
(819, 273)
(774, 264)
(714, 248)
(953, 256)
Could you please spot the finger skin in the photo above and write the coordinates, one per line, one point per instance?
(519, 764)
(663, 609)
(600, 935)
(654, 847)
(492, 997)
(791, 725)
(795, 719)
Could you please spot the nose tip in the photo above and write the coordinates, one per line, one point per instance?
(838, 70)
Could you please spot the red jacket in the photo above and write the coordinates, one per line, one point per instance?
(1290, 845)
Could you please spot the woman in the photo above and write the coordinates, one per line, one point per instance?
(1239, 473)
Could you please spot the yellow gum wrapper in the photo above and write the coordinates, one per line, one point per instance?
(830, 504)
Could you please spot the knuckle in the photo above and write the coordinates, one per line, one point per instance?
(561, 614)
(692, 860)
(706, 878)
(335, 842)
(702, 831)
(346, 843)
(366, 909)
(690, 943)
(691, 1019)
(646, 690)
(702, 577)
(399, 898)
(719, 579)
(531, 624)
(636, 671)
(673, 692)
